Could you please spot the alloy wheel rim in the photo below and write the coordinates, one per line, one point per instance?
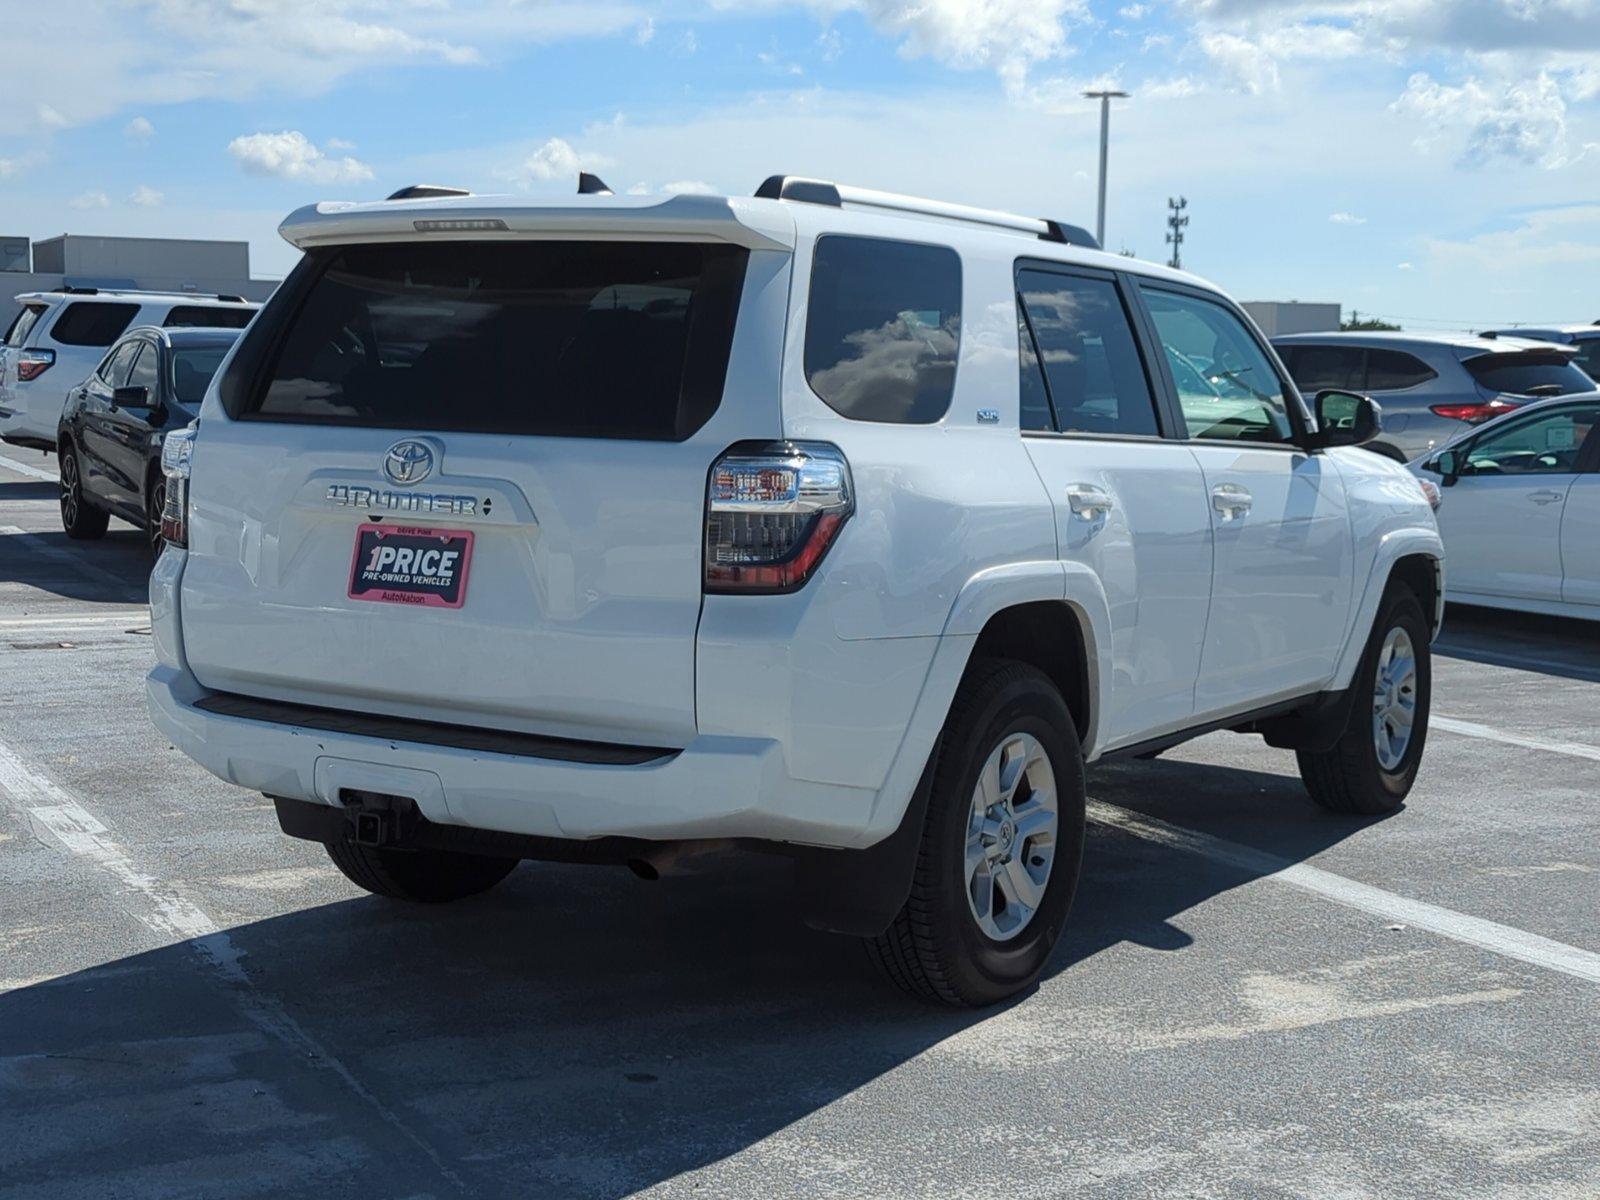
(1394, 699)
(158, 502)
(1012, 832)
(69, 489)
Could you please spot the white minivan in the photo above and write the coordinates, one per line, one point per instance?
(837, 524)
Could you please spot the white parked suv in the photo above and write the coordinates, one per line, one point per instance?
(827, 522)
(58, 338)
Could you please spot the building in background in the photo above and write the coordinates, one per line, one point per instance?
(1278, 317)
(148, 264)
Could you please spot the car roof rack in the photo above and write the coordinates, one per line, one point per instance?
(73, 289)
(821, 191)
(592, 185)
(426, 191)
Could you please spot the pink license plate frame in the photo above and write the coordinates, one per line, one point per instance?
(410, 564)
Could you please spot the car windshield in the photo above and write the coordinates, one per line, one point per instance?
(192, 369)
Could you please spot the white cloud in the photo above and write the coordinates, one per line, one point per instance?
(1405, 266)
(90, 199)
(832, 43)
(1243, 64)
(1558, 237)
(1524, 121)
(557, 161)
(49, 118)
(139, 130)
(1008, 36)
(645, 33)
(292, 155)
(146, 196)
(689, 187)
(1346, 218)
(687, 43)
(1134, 12)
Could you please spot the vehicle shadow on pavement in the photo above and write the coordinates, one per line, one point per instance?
(1559, 646)
(29, 491)
(114, 569)
(576, 1033)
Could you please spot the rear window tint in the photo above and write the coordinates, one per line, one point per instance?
(92, 324)
(207, 316)
(1589, 357)
(1316, 368)
(883, 327)
(1529, 374)
(23, 323)
(192, 369)
(564, 339)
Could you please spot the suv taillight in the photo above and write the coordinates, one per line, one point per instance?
(33, 363)
(1474, 414)
(772, 511)
(176, 453)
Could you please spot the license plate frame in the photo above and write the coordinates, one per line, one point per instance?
(398, 578)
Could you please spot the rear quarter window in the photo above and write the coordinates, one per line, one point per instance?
(207, 316)
(92, 324)
(554, 338)
(883, 328)
(1395, 370)
(22, 324)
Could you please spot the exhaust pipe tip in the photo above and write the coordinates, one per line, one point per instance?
(644, 870)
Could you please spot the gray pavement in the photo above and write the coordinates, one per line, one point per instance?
(192, 1004)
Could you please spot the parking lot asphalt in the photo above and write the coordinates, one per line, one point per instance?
(1254, 998)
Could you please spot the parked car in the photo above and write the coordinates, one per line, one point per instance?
(1585, 339)
(59, 337)
(842, 525)
(109, 440)
(1520, 509)
(1431, 386)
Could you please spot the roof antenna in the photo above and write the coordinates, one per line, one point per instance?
(592, 185)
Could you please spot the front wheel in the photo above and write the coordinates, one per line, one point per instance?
(423, 876)
(81, 520)
(1374, 763)
(1002, 844)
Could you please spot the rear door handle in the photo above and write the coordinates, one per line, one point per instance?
(1231, 500)
(1088, 501)
(1545, 496)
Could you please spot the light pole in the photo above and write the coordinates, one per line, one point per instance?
(1105, 98)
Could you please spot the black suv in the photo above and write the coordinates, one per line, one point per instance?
(109, 440)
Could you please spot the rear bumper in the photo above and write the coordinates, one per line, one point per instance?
(28, 418)
(717, 787)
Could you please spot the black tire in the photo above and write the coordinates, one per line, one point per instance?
(1350, 778)
(155, 501)
(82, 520)
(935, 948)
(423, 876)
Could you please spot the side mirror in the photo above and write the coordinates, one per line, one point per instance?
(1449, 464)
(1345, 419)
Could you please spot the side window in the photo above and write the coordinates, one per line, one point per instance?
(24, 323)
(208, 316)
(1227, 386)
(883, 326)
(114, 371)
(1392, 370)
(1317, 367)
(1588, 358)
(1095, 378)
(92, 324)
(1548, 444)
(1034, 402)
(146, 369)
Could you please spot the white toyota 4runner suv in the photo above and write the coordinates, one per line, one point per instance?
(828, 522)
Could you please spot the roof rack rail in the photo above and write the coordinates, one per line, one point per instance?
(821, 191)
(72, 290)
(230, 298)
(592, 185)
(426, 191)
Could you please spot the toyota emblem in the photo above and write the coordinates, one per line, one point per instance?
(408, 462)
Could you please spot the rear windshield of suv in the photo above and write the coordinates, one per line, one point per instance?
(1529, 374)
(92, 323)
(555, 338)
(208, 316)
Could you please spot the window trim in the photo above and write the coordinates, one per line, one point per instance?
(1295, 407)
(961, 298)
(1133, 310)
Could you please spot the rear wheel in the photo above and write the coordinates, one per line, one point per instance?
(423, 876)
(1001, 847)
(155, 501)
(79, 518)
(1373, 765)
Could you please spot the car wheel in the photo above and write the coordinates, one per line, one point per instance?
(1002, 844)
(155, 502)
(1373, 765)
(79, 518)
(423, 876)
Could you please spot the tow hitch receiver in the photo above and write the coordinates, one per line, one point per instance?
(379, 819)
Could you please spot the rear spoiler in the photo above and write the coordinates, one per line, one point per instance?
(685, 218)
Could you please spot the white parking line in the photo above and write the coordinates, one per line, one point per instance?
(132, 616)
(11, 464)
(163, 908)
(1473, 931)
(1473, 729)
(56, 554)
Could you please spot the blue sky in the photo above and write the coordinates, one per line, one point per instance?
(1432, 160)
